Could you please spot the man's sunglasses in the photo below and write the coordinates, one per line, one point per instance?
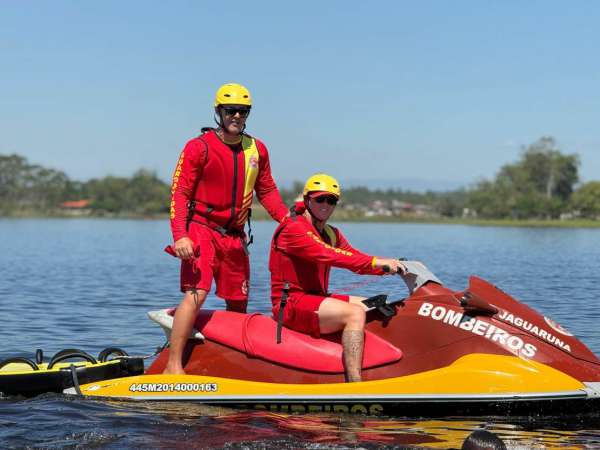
(330, 199)
(232, 111)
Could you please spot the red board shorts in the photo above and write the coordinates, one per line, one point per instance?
(300, 312)
(222, 257)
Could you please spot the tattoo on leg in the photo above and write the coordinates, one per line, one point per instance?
(353, 343)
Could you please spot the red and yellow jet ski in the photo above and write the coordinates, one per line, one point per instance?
(437, 352)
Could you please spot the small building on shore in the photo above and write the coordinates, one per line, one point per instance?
(76, 207)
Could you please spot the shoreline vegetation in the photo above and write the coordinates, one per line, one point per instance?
(541, 189)
(260, 215)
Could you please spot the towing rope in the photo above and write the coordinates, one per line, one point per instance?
(75, 379)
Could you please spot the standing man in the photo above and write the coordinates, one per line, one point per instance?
(303, 250)
(213, 185)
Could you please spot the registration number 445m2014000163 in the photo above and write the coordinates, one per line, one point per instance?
(173, 387)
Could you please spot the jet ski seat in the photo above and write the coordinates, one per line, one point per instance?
(255, 335)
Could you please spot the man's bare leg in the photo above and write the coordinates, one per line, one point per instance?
(182, 327)
(353, 342)
(335, 315)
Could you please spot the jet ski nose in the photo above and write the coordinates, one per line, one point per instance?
(592, 389)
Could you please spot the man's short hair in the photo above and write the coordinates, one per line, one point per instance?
(483, 440)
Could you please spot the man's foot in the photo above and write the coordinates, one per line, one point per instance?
(173, 370)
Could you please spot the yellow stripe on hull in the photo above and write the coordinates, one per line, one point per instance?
(471, 375)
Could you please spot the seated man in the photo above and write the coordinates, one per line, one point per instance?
(303, 250)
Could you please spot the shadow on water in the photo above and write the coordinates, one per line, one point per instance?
(57, 421)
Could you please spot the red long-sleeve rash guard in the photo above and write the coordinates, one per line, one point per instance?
(205, 173)
(300, 257)
(189, 168)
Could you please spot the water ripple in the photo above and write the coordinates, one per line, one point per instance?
(89, 283)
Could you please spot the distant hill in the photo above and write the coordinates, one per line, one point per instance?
(407, 184)
(420, 185)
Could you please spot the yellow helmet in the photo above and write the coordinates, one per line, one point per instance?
(322, 182)
(233, 94)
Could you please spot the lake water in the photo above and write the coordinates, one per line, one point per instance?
(88, 284)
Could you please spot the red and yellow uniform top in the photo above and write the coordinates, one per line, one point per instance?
(303, 257)
(219, 181)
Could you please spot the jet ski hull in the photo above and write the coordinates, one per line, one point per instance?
(507, 385)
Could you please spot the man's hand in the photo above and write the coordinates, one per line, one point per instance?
(184, 248)
(394, 265)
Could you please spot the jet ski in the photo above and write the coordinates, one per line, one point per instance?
(435, 353)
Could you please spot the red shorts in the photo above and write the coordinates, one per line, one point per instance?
(222, 257)
(300, 312)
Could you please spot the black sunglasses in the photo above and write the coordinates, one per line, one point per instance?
(330, 199)
(232, 111)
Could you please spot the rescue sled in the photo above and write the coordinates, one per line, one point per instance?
(437, 352)
(28, 378)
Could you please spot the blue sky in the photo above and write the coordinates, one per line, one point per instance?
(436, 94)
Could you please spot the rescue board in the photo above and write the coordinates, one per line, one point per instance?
(24, 377)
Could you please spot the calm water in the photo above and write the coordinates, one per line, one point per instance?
(88, 284)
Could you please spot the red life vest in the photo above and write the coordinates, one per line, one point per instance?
(218, 182)
(224, 193)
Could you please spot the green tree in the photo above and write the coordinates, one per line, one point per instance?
(49, 188)
(539, 185)
(147, 194)
(143, 193)
(550, 172)
(586, 200)
(451, 204)
(490, 200)
(12, 168)
(29, 187)
(107, 194)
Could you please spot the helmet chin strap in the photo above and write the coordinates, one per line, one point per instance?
(220, 123)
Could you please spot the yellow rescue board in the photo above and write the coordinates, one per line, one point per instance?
(25, 369)
(470, 376)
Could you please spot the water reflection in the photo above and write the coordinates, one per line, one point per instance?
(348, 430)
(217, 427)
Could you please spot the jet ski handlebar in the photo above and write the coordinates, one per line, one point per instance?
(416, 274)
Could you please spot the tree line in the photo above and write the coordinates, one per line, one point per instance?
(30, 189)
(542, 184)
